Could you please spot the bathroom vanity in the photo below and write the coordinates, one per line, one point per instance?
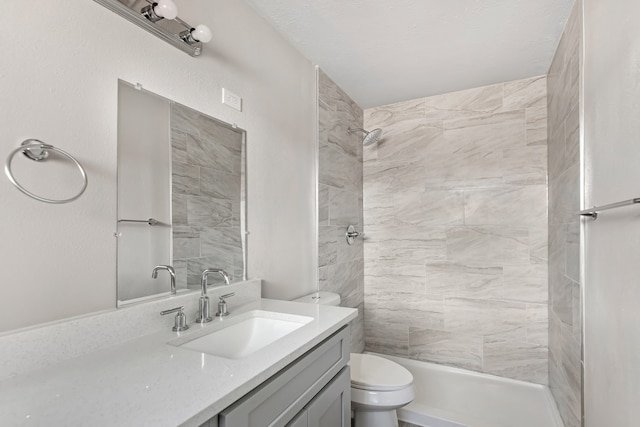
(138, 379)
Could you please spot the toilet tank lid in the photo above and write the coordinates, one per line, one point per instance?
(323, 298)
(377, 373)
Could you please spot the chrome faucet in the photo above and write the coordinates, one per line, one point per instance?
(172, 273)
(203, 312)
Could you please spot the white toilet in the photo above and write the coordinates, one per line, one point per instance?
(378, 386)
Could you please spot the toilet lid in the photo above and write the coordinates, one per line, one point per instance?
(370, 372)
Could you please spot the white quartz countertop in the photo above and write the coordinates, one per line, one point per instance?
(148, 382)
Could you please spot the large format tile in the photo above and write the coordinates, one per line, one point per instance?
(488, 245)
(339, 171)
(209, 212)
(515, 359)
(185, 179)
(503, 320)
(525, 165)
(218, 184)
(538, 324)
(455, 205)
(527, 93)
(453, 279)
(409, 309)
(407, 244)
(432, 207)
(454, 349)
(506, 205)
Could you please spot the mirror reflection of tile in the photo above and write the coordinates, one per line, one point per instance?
(206, 183)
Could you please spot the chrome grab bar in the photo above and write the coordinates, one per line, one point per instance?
(593, 212)
(150, 221)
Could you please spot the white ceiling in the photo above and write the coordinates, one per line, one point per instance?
(383, 51)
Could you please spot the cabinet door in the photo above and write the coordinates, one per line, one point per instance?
(332, 406)
(301, 420)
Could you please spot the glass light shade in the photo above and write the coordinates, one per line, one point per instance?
(202, 33)
(167, 9)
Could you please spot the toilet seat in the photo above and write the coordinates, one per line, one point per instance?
(373, 373)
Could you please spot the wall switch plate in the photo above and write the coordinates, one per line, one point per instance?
(231, 99)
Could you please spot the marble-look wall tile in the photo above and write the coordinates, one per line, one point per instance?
(218, 184)
(565, 318)
(209, 212)
(505, 205)
(455, 204)
(323, 204)
(339, 170)
(523, 94)
(340, 200)
(390, 347)
(525, 165)
(178, 209)
(453, 349)
(206, 174)
(538, 324)
(536, 118)
(344, 207)
(518, 360)
(497, 319)
(208, 154)
(488, 245)
(525, 283)
(185, 179)
(453, 279)
(186, 243)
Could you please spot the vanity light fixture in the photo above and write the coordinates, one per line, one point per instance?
(160, 17)
(166, 9)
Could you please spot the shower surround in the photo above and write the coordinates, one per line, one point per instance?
(455, 214)
(340, 266)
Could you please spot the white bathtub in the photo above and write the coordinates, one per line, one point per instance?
(451, 397)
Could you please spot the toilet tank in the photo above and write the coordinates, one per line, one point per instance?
(323, 298)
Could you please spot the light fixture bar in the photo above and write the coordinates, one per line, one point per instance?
(134, 16)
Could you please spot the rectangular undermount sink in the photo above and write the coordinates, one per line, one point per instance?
(240, 338)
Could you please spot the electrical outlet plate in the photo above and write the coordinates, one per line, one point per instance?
(231, 99)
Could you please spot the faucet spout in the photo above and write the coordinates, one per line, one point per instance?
(203, 312)
(172, 273)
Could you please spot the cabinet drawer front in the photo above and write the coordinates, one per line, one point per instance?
(279, 399)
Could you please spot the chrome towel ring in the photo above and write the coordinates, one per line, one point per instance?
(38, 151)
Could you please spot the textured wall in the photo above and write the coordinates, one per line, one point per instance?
(564, 225)
(611, 155)
(206, 191)
(75, 108)
(341, 266)
(455, 211)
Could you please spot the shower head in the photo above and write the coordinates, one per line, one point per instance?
(370, 137)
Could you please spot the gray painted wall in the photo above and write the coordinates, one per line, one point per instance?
(612, 243)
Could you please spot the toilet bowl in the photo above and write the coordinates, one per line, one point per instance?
(378, 386)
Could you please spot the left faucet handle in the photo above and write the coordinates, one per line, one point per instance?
(180, 320)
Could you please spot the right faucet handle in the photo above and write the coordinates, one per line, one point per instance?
(222, 305)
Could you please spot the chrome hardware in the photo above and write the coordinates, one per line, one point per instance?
(148, 20)
(593, 212)
(150, 221)
(203, 303)
(181, 319)
(39, 151)
(352, 234)
(172, 273)
(222, 305)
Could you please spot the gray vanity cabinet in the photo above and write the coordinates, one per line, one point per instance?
(332, 407)
(313, 391)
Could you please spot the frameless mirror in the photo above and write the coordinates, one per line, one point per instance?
(181, 196)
